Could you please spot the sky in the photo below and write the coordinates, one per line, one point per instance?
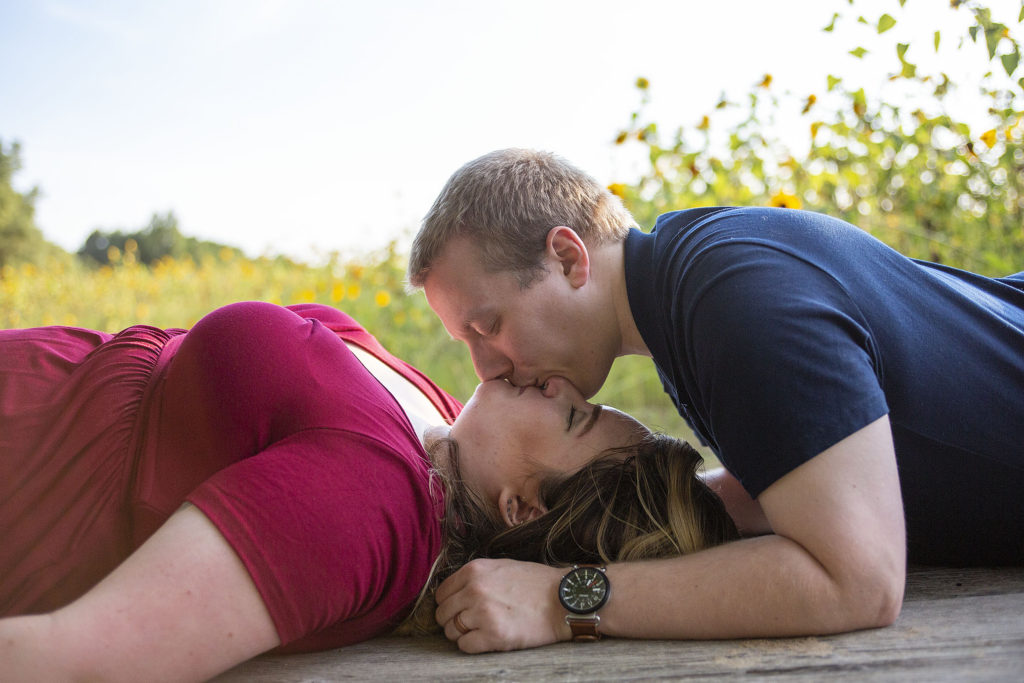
(302, 127)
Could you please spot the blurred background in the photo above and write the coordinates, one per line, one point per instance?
(158, 160)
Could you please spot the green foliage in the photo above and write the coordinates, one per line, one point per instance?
(925, 182)
(20, 239)
(158, 240)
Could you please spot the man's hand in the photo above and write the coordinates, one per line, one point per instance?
(504, 604)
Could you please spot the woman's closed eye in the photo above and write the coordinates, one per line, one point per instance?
(572, 417)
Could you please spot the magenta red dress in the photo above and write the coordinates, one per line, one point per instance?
(262, 418)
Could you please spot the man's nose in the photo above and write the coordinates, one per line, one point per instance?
(490, 364)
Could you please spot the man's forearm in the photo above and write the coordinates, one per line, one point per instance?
(757, 587)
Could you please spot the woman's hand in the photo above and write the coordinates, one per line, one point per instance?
(503, 605)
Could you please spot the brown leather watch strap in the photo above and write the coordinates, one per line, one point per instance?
(584, 629)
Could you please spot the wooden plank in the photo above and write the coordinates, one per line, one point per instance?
(956, 625)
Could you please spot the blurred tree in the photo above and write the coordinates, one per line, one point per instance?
(160, 239)
(20, 239)
(914, 175)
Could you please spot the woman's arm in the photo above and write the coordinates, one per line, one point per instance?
(181, 607)
(836, 562)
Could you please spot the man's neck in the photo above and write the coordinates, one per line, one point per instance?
(611, 270)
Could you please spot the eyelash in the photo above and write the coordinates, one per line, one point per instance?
(572, 416)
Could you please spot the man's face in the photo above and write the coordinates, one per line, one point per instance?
(523, 335)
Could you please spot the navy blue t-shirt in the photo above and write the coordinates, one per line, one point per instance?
(778, 333)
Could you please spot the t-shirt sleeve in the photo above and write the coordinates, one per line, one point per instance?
(337, 532)
(784, 362)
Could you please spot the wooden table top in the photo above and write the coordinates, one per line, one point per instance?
(956, 625)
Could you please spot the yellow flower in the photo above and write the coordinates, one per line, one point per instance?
(621, 137)
(382, 298)
(766, 81)
(353, 292)
(337, 292)
(815, 127)
(618, 189)
(989, 137)
(785, 201)
(642, 83)
(306, 296)
(811, 99)
(705, 123)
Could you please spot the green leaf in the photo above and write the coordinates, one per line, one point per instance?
(885, 22)
(858, 52)
(832, 24)
(1020, 82)
(973, 30)
(992, 37)
(938, 37)
(903, 2)
(1010, 61)
(901, 49)
(862, 20)
(1020, 17)
(833, 81)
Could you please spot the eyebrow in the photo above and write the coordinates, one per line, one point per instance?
(593, 419)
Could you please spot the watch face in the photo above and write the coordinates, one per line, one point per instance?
(583, 590)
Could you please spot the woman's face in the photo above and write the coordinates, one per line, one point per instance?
(509, 438)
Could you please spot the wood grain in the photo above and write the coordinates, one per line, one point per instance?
(956, 625)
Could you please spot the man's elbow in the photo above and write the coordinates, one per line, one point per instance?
(877, 600)
(890, 605)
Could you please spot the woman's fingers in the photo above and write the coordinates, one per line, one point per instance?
(500, 605)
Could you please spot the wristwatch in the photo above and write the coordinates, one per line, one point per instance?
(584, 590)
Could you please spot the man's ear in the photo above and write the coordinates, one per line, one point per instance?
(567, 248)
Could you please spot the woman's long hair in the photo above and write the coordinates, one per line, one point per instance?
(641, 501)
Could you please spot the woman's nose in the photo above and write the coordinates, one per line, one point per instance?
(554, 386)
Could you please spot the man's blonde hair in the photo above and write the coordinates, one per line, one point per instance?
(506, 202)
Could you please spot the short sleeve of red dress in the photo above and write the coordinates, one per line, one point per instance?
(331, 509)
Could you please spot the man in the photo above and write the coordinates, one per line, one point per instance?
(862, 403)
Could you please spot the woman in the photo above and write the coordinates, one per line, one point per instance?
(173, 503)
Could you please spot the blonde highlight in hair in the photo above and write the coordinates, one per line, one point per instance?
(506, 202)
(650, 504)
